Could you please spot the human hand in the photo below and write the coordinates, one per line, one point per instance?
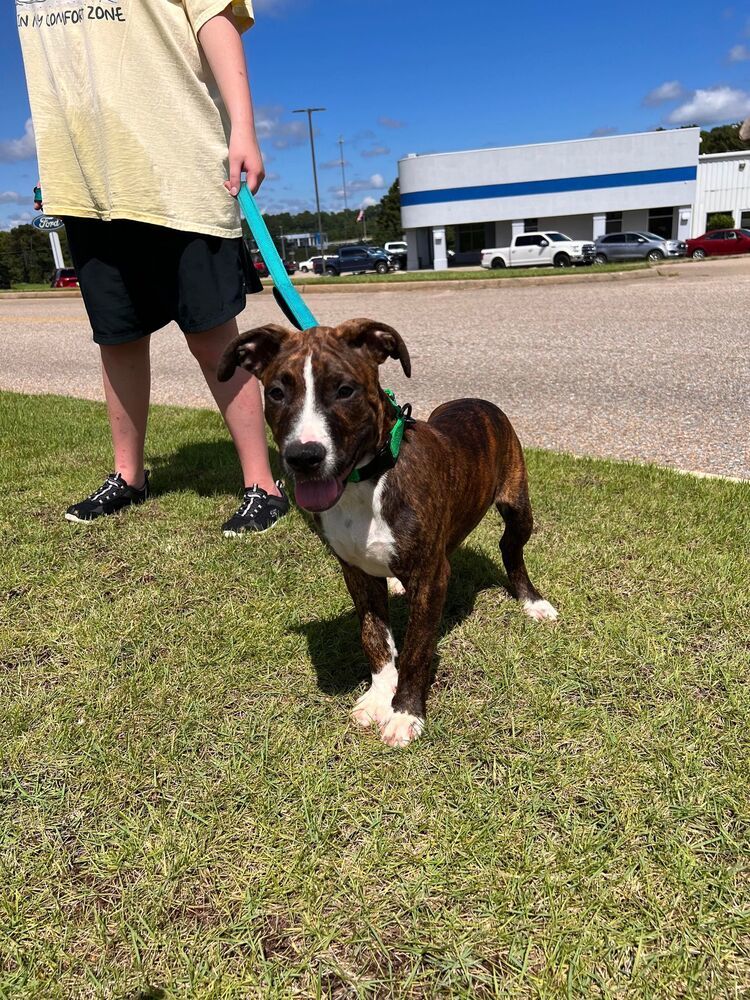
(38, 200)
(244, 154)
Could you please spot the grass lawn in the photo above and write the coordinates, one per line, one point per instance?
(187, 811)
(28, 286)
(451, 275)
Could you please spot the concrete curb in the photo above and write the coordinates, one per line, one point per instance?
(53, 293)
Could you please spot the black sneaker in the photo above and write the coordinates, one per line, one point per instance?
(113, 495)
(257, 512)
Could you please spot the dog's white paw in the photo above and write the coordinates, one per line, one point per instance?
(541, 611)
(402, 729)
(373, 706)
(395, 587)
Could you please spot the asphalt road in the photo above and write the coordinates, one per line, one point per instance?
(656, 369)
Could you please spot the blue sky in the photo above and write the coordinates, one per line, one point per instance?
(409, 76)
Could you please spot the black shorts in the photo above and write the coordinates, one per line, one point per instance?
(136, 278)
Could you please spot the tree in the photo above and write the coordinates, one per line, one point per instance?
(386, 224)
(722, 139)
(719, 220)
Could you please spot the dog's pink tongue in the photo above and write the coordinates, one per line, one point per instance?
(316, 494)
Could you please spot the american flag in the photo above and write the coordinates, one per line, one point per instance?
(361, 216)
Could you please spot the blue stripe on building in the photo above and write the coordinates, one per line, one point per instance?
(668, 175)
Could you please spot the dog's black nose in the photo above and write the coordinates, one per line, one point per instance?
(305, 457)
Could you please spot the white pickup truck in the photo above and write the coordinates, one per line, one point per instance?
(540, 250)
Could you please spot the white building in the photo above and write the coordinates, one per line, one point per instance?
(650, 180)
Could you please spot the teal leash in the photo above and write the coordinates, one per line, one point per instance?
(288, 298)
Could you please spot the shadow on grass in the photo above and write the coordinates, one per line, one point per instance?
(334, 644)
(208, 468)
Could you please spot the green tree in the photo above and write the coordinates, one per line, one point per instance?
(719, 220)
(386, 224)
(722, 139)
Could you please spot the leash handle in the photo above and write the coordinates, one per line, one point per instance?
(296, 309)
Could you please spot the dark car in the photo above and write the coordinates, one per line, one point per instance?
(719, 241)
(638, 245)
(290, 266)
(260, 267)
(64, 277)
(356, 260)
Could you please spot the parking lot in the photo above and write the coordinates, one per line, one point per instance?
(655, 369)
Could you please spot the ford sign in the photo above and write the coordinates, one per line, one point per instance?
(47, 223)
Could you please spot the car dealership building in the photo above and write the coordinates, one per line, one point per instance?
(656, 181)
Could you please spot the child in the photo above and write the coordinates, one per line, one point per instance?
(144, 123)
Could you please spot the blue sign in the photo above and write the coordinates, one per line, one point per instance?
(47, 223)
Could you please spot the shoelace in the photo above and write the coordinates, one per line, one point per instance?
(252, 495)
(110, 483)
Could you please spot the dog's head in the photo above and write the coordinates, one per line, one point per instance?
(324, 403)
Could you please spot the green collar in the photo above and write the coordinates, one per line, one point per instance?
(386, 458)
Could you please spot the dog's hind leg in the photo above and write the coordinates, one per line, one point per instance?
(516, 512)
(370, 596)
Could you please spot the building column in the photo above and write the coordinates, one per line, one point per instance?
(598, 226)
(439, 251)
(517, 227)
(736, 215)
(412, 251)
(684, 221)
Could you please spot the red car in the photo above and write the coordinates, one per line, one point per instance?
(64, 277)
(719, 241)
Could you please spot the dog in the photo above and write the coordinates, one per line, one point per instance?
(330, 417)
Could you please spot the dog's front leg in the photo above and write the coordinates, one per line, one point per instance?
(370, 596)
(425, 595)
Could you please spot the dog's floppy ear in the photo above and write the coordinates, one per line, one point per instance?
(382, 340)
(253, 350)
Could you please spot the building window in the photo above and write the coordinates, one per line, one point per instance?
(613, 222)
(530, 225)
(745, 220)
(660, 221)
(470, 237)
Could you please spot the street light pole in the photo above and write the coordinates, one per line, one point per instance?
(309, 112)
(343, 174)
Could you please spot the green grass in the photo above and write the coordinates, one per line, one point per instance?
(187, 811)
(451, 275)
(28, 286)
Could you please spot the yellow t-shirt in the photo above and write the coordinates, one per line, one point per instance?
(128, 119)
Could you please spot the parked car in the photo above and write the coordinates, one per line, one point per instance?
(64, 277)
(260, 267)
(719, 241)
(356, 260)
(290, 266)
(539, 250)
(397, 250)
(307, 266)
(637, 245)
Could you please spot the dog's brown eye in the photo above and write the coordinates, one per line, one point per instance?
(276, 394)
(344, 392)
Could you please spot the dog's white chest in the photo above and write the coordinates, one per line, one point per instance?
(357, 532)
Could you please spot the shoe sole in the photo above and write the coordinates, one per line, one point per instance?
(240, 534)
(89, 520)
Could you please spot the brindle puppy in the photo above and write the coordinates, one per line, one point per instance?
(329, 416)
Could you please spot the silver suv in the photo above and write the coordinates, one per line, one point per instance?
(640, 245)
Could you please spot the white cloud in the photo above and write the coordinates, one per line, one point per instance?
(333, 164)
(12, 150)
(375, 151)
(390, 122)
(376, 182)
(603, 130)
(712, 106)
(281, 134)
(14, 198)
(669, 91)
(368, 202)
(739, 53)
(17, 219)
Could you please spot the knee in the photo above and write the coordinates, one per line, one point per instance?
(206, 348)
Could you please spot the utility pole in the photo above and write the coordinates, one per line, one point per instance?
(309, 112)
(343, 173)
